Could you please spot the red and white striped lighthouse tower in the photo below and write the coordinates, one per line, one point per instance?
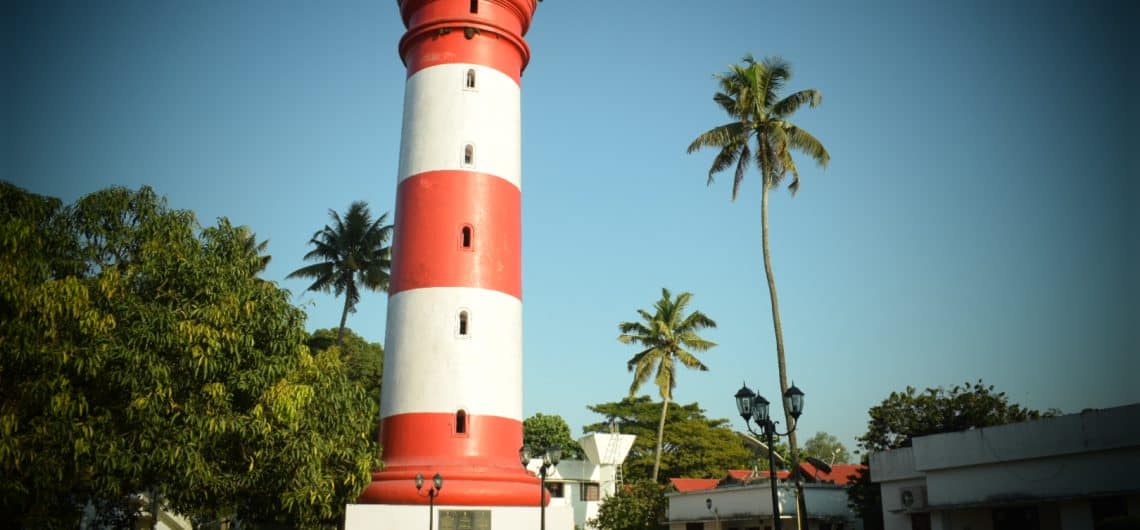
(452, 389)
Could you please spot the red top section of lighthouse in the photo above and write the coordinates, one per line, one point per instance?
(439, 32)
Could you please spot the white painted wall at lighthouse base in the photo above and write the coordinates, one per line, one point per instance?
(407, 517)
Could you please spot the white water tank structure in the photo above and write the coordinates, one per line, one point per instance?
(583, 486)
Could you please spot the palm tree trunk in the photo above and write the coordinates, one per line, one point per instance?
(781, 362)
(660, 437)
(343, 319)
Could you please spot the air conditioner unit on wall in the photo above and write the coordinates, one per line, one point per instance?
(913, 498)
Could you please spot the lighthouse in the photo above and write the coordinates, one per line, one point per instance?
(452, 387)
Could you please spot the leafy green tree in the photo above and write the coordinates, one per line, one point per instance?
(542, 430)
(909, 414)
(694, 445)
(139, 354)
(350, 255)
(905, 415)
(666, 335)
(640, 506)
(759, 130)
(364, 361)
(827, 448)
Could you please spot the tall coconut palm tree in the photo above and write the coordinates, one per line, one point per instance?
(665, 335)
(759, 131)
(351, 254)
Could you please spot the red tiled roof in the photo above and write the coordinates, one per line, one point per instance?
(740, 474)
(839, 472)
(694, 484)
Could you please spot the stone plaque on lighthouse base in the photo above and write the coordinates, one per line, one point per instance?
(410, 517)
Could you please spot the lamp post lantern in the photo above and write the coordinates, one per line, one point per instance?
(715, 511)
(550, 459)
(433, 492)
(754, 407)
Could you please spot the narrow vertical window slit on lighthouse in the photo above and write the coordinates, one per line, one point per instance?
(465, 237)
(463, 323)
(461, 422)
(469, 155)
(474, 6)
(470, 78)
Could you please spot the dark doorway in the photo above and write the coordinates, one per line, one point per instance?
(1016, 518)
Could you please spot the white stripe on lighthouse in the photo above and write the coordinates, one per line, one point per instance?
(442, 116)
(439, 370)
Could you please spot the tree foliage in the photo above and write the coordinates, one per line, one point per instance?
(351, 254)
(827, 448)
(760, 130)
(639, 506)
(905, 415)
(694, 446)
(909, 414)
(141, 354)
(542, 431)
(364, 361)
(667, 335)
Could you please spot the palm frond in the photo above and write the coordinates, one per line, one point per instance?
(720, 136)
(696, 321)
(690, 361)
(723, 160)
(785, 107)
(741, 166)
(807, 144)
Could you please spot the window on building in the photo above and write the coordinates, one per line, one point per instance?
(469, 155)
(590, 492)
(557, 489)
(474, 6)
(465, 237)
(461, 422)
(463, 324)
(470, 79)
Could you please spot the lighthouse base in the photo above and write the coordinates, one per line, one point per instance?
(403, 517)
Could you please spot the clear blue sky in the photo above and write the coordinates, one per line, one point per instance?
(978, 220)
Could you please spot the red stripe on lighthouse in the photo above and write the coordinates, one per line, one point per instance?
(481, 466)
(487, 441)
(438, 33)
(433, 210)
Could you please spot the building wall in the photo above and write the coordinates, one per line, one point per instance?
(750, 506)
(1068, 475)
(1056, 468)
(894, 515)
(574, 475)
(962, 520)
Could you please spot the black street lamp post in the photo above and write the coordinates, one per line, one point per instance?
(753, 406)
(714, 510)
(433, 492)
(550, 458)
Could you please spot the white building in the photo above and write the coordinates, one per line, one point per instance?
(584, 484)
(743, 500)
(1073, 472)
